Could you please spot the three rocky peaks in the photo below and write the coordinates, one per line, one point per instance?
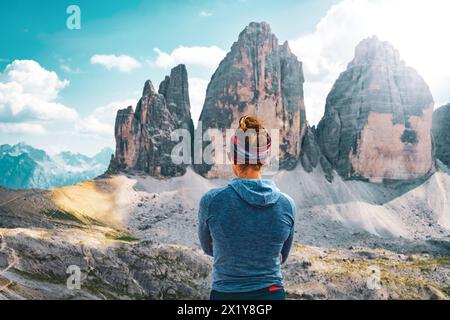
(377, 123)
(143, 137)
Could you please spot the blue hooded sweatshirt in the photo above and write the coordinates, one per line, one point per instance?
(245, 226)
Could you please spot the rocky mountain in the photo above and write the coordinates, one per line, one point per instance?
(143, 136)
(376, 126)
(441, 133)
(24, 167)
(263, 78)
(378, 118)
(311, 155)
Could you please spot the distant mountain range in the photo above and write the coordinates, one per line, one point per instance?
(24, 167)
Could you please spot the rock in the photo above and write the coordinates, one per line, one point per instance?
(262, 78)
(327, 168)
(176, 92)
(311, 155)
(378, 118)
(436, 294)
(116, 270)
(441, 134)
(143, 137)
(154, 253)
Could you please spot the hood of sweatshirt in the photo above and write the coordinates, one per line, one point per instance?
(256, 192)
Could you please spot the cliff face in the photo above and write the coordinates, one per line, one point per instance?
(259, 77)
(311, 155)
(378, 118)
(143, 137)
(175, 90)
(441, 133)
(377, 122)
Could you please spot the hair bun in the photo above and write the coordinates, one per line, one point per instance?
(249, 122)
(251, 142)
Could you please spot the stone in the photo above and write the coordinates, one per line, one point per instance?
(143, 137)
(441, 133)
(261, 78)
(378, 118)
(311, 155)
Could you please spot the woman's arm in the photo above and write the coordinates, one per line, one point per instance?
(288, 243)
(204, 233)
(287, 246)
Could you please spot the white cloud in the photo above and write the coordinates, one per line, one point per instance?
(197, 92)
(101, 121)
(92, 125)
(67, 68)
(28, 91)
(417, 28)
(65, 65)
(22, 128)
(122, 63)
(205, 14)
(208, 57)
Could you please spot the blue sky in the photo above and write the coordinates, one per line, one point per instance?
(90, 73)
(36, 30)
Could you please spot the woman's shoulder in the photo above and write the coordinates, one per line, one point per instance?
(289, 202)
(209, 196)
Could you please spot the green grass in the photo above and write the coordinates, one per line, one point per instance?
(62, 215)
(121, 237)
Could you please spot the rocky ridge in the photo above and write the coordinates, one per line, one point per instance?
(263, 78)
(144, 137)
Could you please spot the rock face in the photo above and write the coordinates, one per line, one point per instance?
(378, 118)
(117, 270)
(262, 78)
(143, 137)
(311, 155)
(441, 133)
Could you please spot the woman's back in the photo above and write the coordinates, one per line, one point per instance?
(246, 226)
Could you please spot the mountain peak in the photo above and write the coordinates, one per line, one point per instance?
(143, 137)
(148, 89)
(373, 50)
(378, 109)
(256, 32)
(260, 77)
(255, 27)
(24, 167)
(175, 89)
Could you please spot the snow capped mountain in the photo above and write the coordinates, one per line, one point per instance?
(24, 167)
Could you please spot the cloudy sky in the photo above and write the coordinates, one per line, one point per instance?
(60, 88)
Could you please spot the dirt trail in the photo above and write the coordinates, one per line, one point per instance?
(15, 261)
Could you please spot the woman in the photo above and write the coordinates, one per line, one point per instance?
(248, 225)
